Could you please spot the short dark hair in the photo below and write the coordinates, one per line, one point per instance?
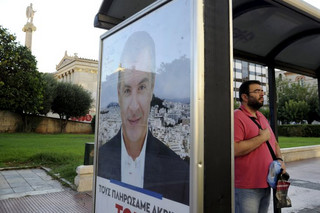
(244, 88)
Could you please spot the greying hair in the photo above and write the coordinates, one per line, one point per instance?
(137, 44)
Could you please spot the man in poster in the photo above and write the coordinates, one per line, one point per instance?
(134, 156)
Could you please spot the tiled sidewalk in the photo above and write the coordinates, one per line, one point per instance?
(18, 183)
(304, 191)
(68, 201)
(48, 195)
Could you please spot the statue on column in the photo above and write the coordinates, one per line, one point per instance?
(30, 13)
(29, 28)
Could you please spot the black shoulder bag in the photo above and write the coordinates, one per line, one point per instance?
(282, 184)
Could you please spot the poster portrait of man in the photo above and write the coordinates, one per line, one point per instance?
(134, 156)
(143, 141)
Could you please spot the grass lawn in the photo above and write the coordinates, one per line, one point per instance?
(60, 152)
(287, 142)
(64, 152)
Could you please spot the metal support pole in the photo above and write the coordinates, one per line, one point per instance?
(218, 110)
(273, 115)
(318, 78)
(272, 99)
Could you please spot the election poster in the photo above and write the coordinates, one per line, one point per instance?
(143, 133)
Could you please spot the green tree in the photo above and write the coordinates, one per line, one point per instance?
(265, 111)
(49, 92)
(21, 86)
(296, 111)
(312, 99)
(287, 91)
(236, 104)
(71, 100)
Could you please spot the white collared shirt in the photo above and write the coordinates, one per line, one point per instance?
(132, 171)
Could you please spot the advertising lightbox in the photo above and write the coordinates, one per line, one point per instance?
(144, 119)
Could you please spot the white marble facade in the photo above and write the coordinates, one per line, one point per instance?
(79, 71)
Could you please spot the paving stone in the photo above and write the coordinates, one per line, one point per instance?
(27, 174)
(22, 189)
(46, 178)
(10, 174)
(4, 186)
(34, 180)
(3, 183)
(15, 182)
(55, 183)
(42, 188)
(40, 172)
(6, 191)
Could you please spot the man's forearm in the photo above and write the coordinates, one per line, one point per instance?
(246, 146)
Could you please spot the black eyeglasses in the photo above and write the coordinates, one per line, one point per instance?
(257, 91)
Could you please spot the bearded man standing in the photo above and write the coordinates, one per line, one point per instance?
(252, 155)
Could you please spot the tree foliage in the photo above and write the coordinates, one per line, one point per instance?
(313, 101)
(265, 111)
(297, 103)
(71, 100)
(21, 86)
(236, 104)
(295, 111)
(49, 92)
(26, 91)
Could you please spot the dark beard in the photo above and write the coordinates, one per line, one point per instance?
(254, 103)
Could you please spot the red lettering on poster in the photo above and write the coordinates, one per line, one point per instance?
(126, 211)
(120, 208)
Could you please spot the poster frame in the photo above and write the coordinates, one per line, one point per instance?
(196, 99)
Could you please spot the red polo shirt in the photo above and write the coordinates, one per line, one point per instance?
(251, 170)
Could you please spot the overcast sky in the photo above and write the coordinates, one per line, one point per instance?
(61, 25)
(315, 3)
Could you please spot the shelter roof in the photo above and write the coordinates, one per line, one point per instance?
(283, 33)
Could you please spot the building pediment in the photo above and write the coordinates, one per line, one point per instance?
(64, 61)
(75, 61)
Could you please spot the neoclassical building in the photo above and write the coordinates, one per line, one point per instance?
(79, 71)
(296, 78)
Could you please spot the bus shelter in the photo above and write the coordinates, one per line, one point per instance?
(277, 34)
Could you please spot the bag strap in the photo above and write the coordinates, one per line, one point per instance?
(274, 157)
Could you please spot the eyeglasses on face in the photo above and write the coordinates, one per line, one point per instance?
(257, 91)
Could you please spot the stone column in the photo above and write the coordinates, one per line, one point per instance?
(29, 28)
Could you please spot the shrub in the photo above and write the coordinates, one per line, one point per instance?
(300, 130)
